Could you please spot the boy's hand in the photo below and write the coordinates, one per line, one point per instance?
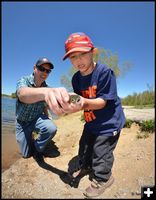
(75, 103)
(59, 101)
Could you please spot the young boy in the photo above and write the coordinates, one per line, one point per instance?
(103, 113)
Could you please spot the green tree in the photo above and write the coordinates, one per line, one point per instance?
(146, 98)
(102, 56)
(13, 95)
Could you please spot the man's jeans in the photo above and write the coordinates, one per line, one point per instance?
(45, 128)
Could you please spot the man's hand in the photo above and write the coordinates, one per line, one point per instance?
(60, 101)
(57, 99)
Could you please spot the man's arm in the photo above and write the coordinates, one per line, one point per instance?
(31, 95)
(56, 98)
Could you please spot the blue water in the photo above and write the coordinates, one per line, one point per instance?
(8, 115)
(8, 110)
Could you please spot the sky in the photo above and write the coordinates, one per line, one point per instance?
(31, 30)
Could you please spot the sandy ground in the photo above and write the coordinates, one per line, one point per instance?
(133, 167)
(10, 151)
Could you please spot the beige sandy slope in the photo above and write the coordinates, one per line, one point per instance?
(133, 167)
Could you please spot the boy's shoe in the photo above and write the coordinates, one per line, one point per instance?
(97, 188)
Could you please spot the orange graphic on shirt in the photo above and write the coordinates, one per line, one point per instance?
(89, 93)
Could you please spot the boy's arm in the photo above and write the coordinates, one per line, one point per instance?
(78, 102)
(94, 104)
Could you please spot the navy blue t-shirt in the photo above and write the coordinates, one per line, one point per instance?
(101, 83)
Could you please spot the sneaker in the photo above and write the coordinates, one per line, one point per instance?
(51, 150)
(38, 157)
(81, 172)
(97, 188)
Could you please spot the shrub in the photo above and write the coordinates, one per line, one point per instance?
(147, 126)
(128, 123)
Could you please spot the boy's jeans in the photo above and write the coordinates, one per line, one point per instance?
(45, 128)
(96, 151)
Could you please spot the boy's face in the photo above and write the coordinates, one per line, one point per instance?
(82, 61)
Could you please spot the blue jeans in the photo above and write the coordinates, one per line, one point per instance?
(45, 128)
(96, 151)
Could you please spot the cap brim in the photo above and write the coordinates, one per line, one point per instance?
(51, 65)
(82, 49)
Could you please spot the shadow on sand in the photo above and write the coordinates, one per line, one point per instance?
(52, 151)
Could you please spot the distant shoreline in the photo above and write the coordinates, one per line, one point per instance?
(12, 96)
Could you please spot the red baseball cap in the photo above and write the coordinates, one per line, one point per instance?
(77, 42)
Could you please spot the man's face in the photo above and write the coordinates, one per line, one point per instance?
(42, 71)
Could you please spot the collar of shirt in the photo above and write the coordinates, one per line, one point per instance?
(32, 82)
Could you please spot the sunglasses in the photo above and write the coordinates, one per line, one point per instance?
(42, 69)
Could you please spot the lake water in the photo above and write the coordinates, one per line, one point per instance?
(10, 149)
(8, 109)
(8, 115)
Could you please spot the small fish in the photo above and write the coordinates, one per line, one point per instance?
(74, 98)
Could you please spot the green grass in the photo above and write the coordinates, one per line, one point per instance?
(146, 127)
(128, 123)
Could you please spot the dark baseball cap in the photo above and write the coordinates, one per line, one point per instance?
(44, 60)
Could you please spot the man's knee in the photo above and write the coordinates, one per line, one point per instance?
(52, 130)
